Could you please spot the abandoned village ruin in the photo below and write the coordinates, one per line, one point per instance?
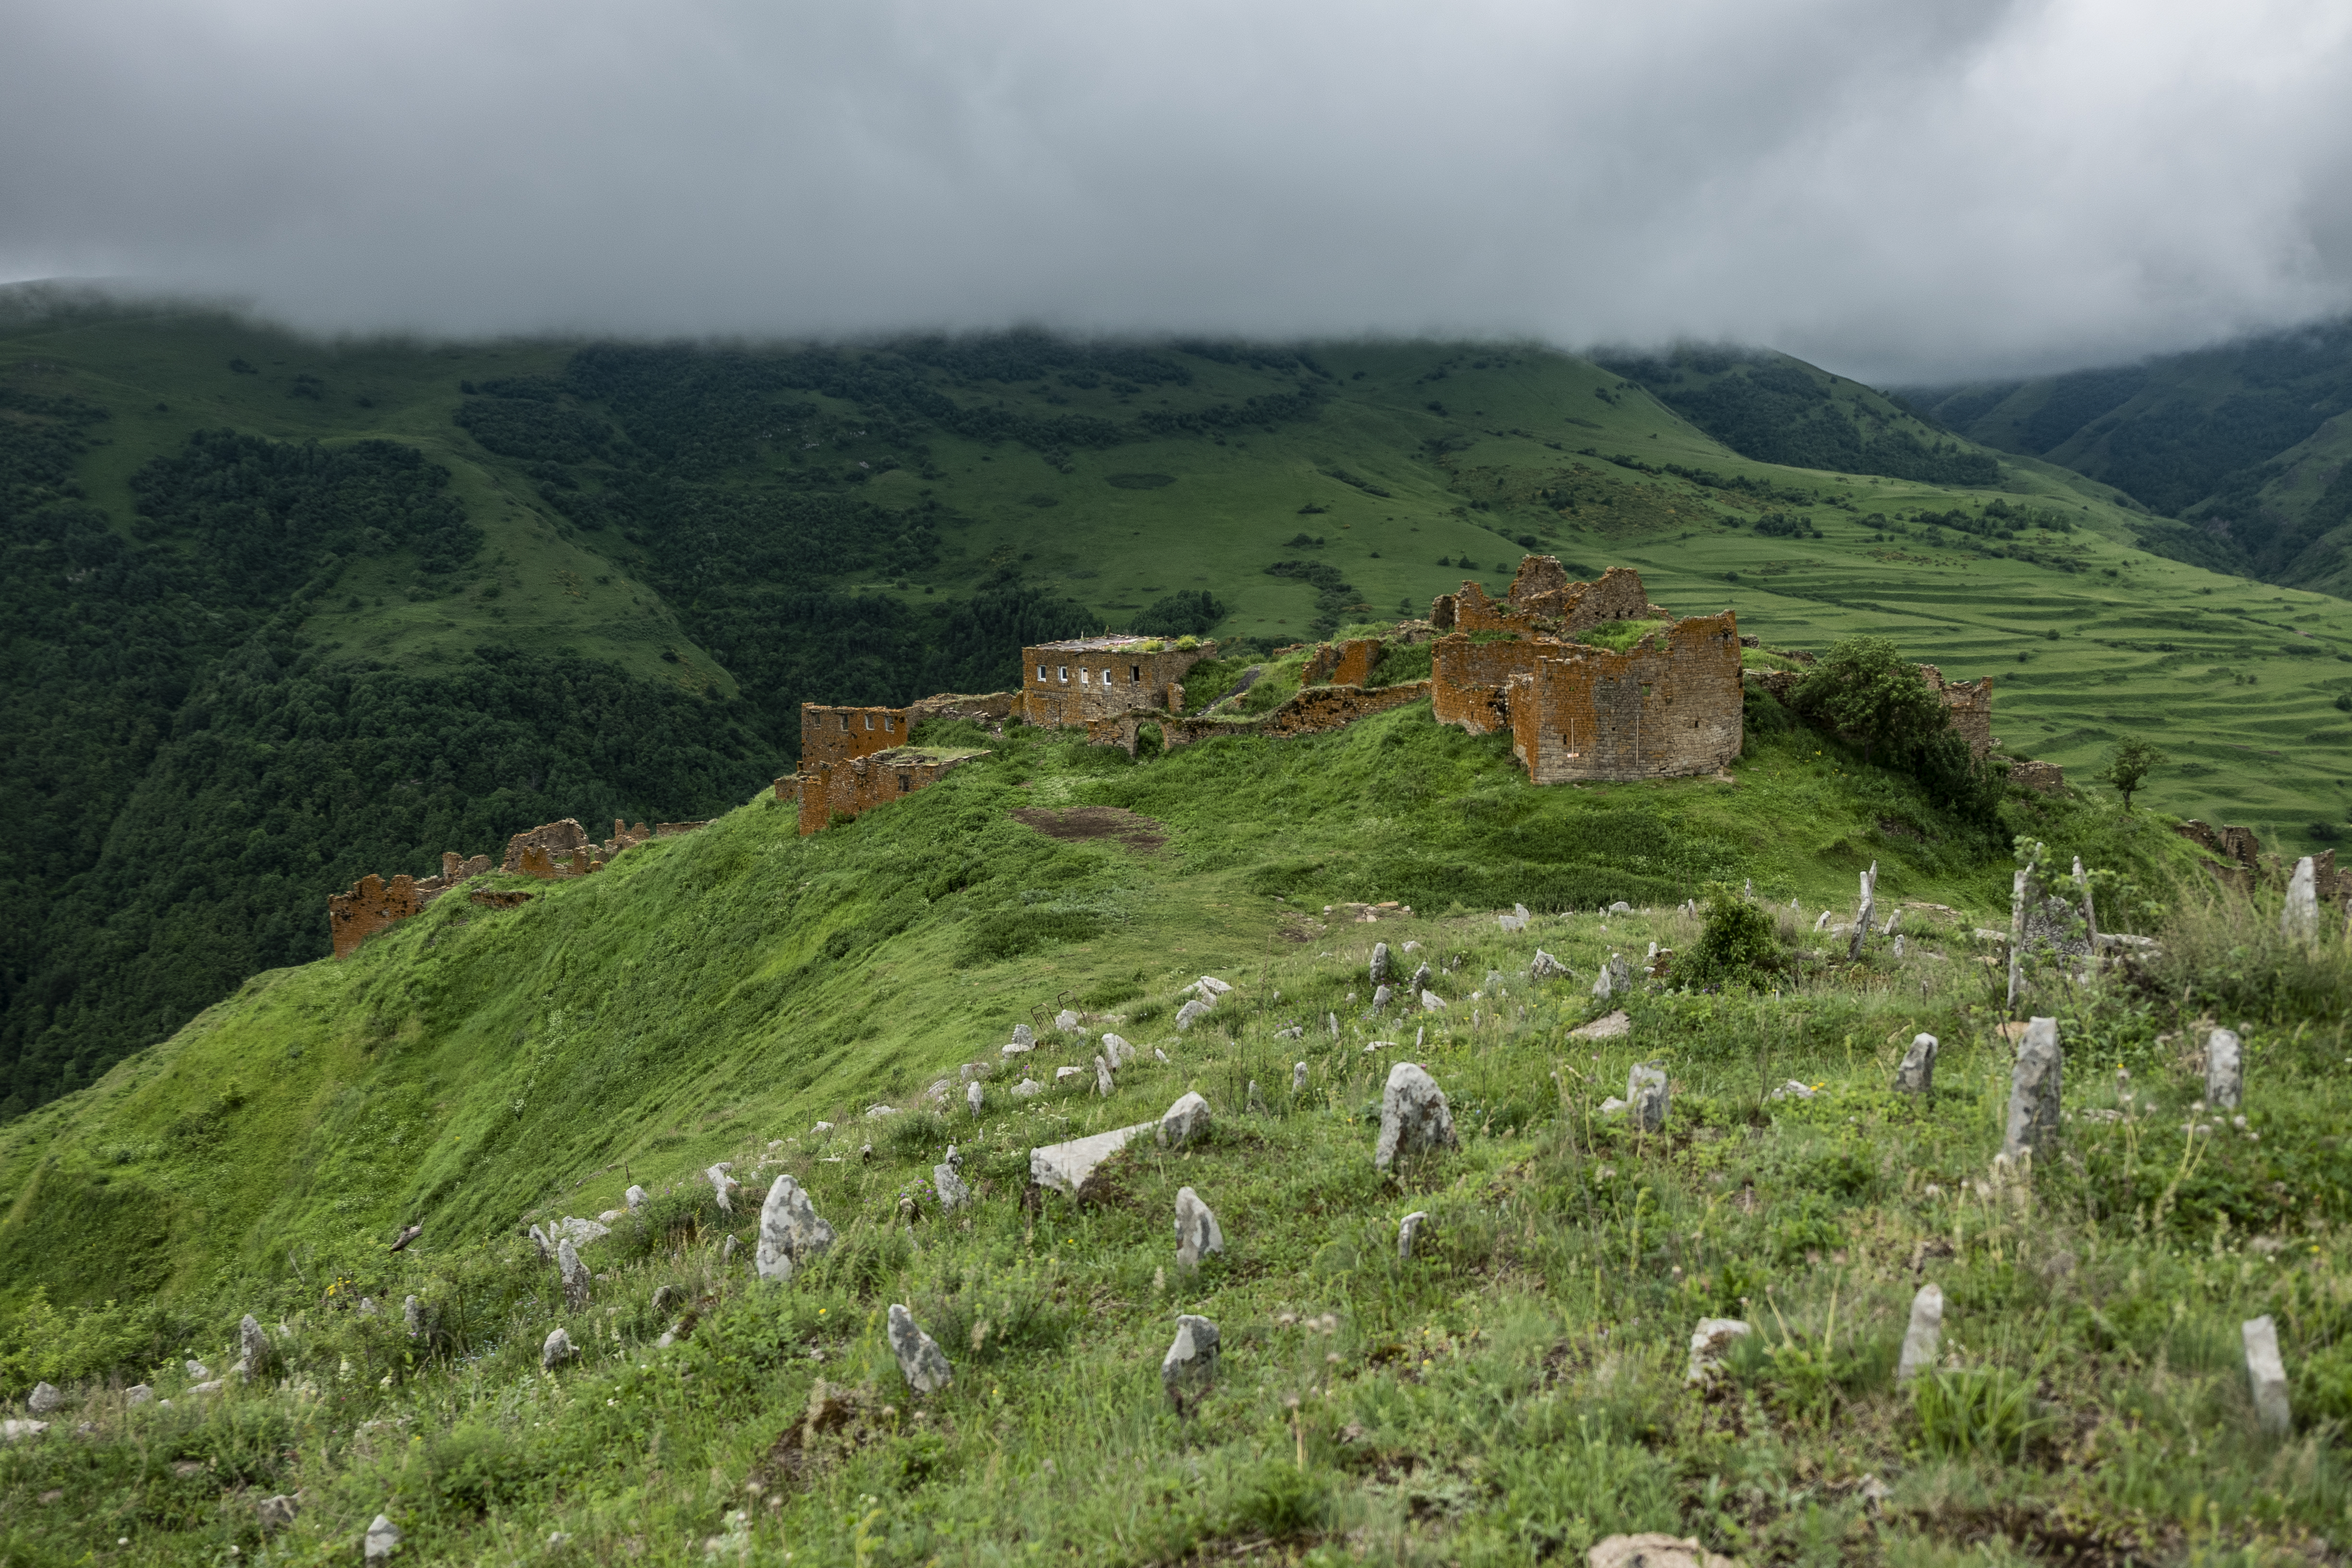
(1593, 682)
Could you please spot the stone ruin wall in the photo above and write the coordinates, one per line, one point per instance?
(1470, 680)
(1071, 692)
(1349, 663)
(549, 852)
(864, 783)
(1317, 710)
(2042, 778)
(1967, 705)
(2241, 864)
(838, 734)
(834, 738)
(1543, 599)
(1667, 708)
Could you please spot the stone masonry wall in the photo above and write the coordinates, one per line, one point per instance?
(1317, 710)
(832, 734)
(1065, 685)
(1349, 663)
(1542, 598)
(1969, 706)
(864, 783)
(1668, 707)
(368, 908)
(1469, 679)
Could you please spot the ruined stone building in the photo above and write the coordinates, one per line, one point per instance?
(837, 742)
(861, 783)
(1063, 685)
(1967, 705)
(1542, 601)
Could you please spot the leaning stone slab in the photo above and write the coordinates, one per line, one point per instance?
(1917, 1073)
(1610, 1026)
(953, 1194)
(1924, 1336)
(792, 1233)
(546, 1248)
(1414, 1117)
(2033, 1090)
(2268, 1374)
(1408, 1233)
(556, 1350)
(575, 1276)
(382, 1541)
(1064, 1167)
(1547, 967)
(579, 1232)
(2225, 1069)
(1184, 1122)
(1198, 1235)
(1709, 1343)
(920, 1361)
(1190, 1013)
(1189, 1370)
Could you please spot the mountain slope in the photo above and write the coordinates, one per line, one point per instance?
(2246, 441)
(425, 595)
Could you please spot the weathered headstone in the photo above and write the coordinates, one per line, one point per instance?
(575, 1276)
(1709, 1343)
(1189, 1370)
(2299, 920)
(1613, 1026)
(1921, 1338)
(1647, 1096)
(1898, 947)
(1414, 1117)
(2033, 1090)
(1420, 980)
(254, 1354)
(669, 1300)
(1254, 1102)
(13, 1430)
(1547, 967)
(1621, 908)
(1331, 1024)
(1184, 1122)
(1408, 1233)
(953, 1194)
(727, 1251)
(1024, 1036)
(724, 1185)
(1064, 1167)
(546, 1248)
(44, 1399)
(1027, 1089)
(1297, 1077)
(2225, 1070)
(2268, 1374)
(1862, 916)
(1067, 1022)
(1117, 1052)
(1917, 1073)
(1820, 925)
(792, 1233)
(1188, 1012)
(139, 1394)
(1197, 1233)
(275, 1513)
(557, 1350)
(1380, 974)
(635, 1197)
(1431, 1002)
(382, 1541)
(919, 1358)
(1104, 1082)
(972, 1097)
(1381, 995)
(1604, 986)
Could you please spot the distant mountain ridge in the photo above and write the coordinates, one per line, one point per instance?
(2247, 444)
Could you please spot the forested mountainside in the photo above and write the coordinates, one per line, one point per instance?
(283, 612)
(2245, 443)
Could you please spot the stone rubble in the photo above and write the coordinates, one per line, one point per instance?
(1184, 1122)
(13, 1430)
(1547, 967)
(1198, 1235)
(1414, 1116)
(1190, 1013)
(1709, 1343)
(791, 1231)
(1064, 1167)
(44, 1399)
(382, 1541)
(920, 1361)
(275, 1513)
(1609, 1026)
(1653, 1549)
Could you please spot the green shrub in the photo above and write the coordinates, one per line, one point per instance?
(1739, 945)
(472, 1468)
(1986, 1410)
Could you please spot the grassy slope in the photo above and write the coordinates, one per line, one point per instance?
(1512, 1393)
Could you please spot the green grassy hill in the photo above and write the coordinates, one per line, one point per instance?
(243, 672)
(2246, 442)
(1509, 1395)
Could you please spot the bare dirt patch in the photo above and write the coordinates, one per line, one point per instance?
(1079, 823)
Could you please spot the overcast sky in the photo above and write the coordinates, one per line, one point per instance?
(1900, 189)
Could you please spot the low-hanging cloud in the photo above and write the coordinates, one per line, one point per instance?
(1904, 192)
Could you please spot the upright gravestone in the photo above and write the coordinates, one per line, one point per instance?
(2033, 1090)
(575, 1276)
(920, 1361)
(1917, 1073)
(790, 1232)
(1921, 1340)
(2300, 920)
(1380, 971)
(1198, 1235)
(1414, 1117)
(1409, 1233)
(2268, 1375)
(1298, 1078)
(2225, 1071)
(1647, 1098)
(1189, 1370)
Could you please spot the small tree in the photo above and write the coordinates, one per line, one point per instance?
(1865, 689)
(2128, 765)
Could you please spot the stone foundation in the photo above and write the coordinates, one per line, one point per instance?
(1317, 710)
(1667, 708)
(2042, 778)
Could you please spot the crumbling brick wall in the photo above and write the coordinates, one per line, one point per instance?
(369, 908)
(1316, 711)
(2042, 778)
(1666, 707)
(1349, 663)
(1065, 684)
(1468, 679)
(1542, 598)
(830, 734)
(864, 783)
(1969, 706)
(987, 707)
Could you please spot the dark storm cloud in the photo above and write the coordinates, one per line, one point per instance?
(1901, 190)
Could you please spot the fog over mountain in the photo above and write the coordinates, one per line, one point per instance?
(1902, 192)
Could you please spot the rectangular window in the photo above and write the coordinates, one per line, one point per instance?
(1062, 672)
(1106, 677)
(1082, 675)
(845, 721)
(869, 720)
(889, 720)
(903, 785)
(1135, 674)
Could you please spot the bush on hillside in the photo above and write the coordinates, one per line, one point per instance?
(1189, 611)
(1739, 944)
